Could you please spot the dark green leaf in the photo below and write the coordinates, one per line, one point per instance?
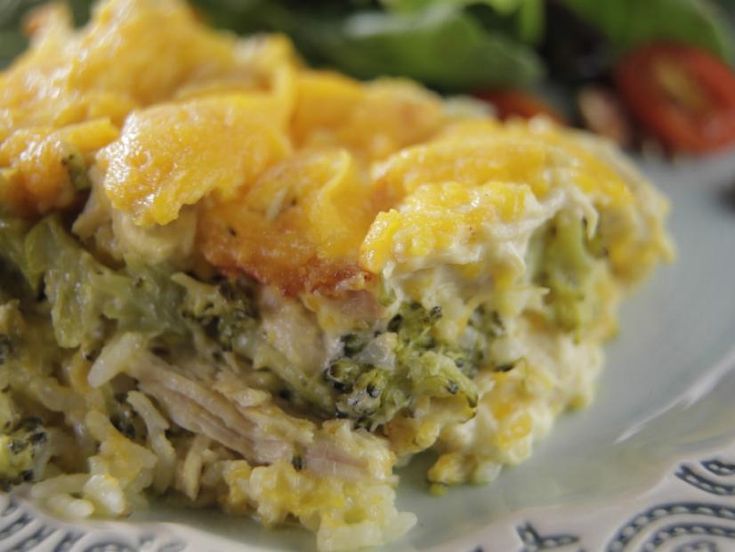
(443, 47)
(628, 23)
(526, 16)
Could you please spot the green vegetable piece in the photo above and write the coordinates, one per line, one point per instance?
(82, 291)
(531, 21)
(13, 266)
(437, 375)
(528, 14)
(341, 373)
(353, 343)
(12, 43)
(7, 348)
(303, 388)
(414, 325)
(443, 47)
(565, 265)
(18, 450)
(629, 23)
(423, 366)
(226, 311)
(12, 234)
(385, 295)
(365, 398)
(84, 294)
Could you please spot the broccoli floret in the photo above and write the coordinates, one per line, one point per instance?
(434, 368)
(12, 330)
(18, 451)
(7, 348)
(487, 323)
(423, 366)
(84, 294)
(226, 311)
(239, 316)
(13, 265)
(365, 397)
(415, 325)
(342, 373)
(437, 375)
(565, 265)
(484, 326)
(353, 343)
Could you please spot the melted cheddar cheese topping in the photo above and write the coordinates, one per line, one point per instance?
(303, 179)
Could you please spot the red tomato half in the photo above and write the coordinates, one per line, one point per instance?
(683, 95)
(517, 103)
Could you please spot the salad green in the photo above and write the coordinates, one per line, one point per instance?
(464, 44)
(628, 23)
(454, 45)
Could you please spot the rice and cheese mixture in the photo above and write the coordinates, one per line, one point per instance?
(235, 281)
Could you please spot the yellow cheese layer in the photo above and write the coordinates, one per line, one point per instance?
(303, 178)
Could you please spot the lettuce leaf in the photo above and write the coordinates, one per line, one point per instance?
(443, 45)
(628, 23)
(526, 15)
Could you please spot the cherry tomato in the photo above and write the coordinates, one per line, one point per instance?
(518, 103)
(683, 95)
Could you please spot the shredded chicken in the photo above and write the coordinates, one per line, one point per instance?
(263, 433)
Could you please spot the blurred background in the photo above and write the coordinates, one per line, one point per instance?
(651, 75)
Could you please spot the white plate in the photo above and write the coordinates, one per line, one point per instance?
(650, 465)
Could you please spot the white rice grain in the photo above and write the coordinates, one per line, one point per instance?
(66, 506)
(105, 492)
(115, 357)
(187, 480)
(156, 424)
(67, 483)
